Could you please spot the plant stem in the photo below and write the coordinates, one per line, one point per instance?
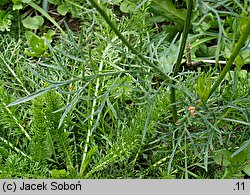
(45, 5)
(179, 58)
(123, 39)
(244, 35)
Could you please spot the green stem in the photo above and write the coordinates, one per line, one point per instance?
(123, 39)
(45, 5)
(244, 35)
(179, 58)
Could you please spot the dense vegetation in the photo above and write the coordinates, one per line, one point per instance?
(124, 89)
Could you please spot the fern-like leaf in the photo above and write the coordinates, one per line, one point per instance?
(5, 20)
(49, 140)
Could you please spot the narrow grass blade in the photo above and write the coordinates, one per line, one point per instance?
(174, 151)
(32, 96)
(51, 145)
(71, 104)
(235, 121)
(40, 92)
(148, 118)
(241, 148)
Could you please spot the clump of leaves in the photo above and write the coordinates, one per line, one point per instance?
(65, 7)
(59, 174)
(38, 45)
(16, 166)
(203, 86)
(5, 20)
(234, 163)
(17, 4)
(50, 142)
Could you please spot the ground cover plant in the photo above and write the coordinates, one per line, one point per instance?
(124, 89)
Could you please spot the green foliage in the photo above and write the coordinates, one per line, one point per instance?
(17, 167)
(235, 163)
(100, 103)
(203, 86)
(223, 157)
(246, 169)
(38, 45)
(17, 4)
(167, 10)
(127, 6)
(56, 2)
(33, 23)
(63, 9)
(3, 2)
(11, 124)
(236, 50)
(67, 6)
(59, 174)
(48, 139)
(5, 20)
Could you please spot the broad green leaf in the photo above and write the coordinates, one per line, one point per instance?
(247, 152)
(201, 27)
(38, 45)
(28, 34)
(167, 9)
(49, 35)
(243, 58)
(51, 32)
(45, 14)
(167, 59)
(55, 2)
(31, 53)
(157, 19)
(127, 6)
(17, 6)
(246, 169)
(36, 42)
(222, 157)
(33, 23)
(40, 19)
(239, 158)
(243, 73)
(243, 25)
(26, 1)
(63, 9)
